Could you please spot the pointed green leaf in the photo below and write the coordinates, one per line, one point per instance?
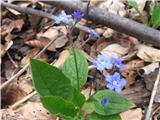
(69, 68)
(58, 106)
(117, 103)
(155, 18)
(95, 116)
(78, 98)
(133, 3)
(49, 80)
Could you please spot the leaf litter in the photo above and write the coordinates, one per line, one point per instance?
(18, 32)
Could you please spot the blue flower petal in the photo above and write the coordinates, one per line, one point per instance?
(110, 86)
(122, 82)
(78, 15)
(118, 89)
(105, 101)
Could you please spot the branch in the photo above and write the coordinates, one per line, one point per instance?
(39, 13)
(121, 24)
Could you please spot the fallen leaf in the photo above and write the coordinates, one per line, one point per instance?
(135, 114)
(9, 25)
(114, 50)
(62, 57)
(134, 64)
(31, 54)
(51, 33)
(11, 95)
(87, 92)
(41, 43)
(29, 111)
(61, 41)
(108, 33)
(129, 76)
(150, 73)
(62, 29)
(35, 110)
(148, 54)
(100, 31)
(4, 48)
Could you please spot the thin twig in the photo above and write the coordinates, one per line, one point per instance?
(23, 100)
(40, 13)
(148, 114)
(11, 59)
(88, 39)
(26, 66)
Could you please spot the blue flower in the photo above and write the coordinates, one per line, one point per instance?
(78, 15)
(100, 62)
(105, 101)
(115, 82)
(114, 62)
(93, 33)
(63, 18)
(117, 63)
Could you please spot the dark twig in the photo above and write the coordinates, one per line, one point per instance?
(39, 13)
(121, 24)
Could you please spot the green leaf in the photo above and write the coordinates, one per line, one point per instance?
(50, 81)
(88, 107)
(133, 4)
(58, 106)
(78, 98)
(95, 116)
(69, 68)
(155, 17)
(117, 103)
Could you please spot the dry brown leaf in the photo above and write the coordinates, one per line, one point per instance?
(41, 43)
(35, 111)
(62, 29)
(148, 54)
(29, 111)
(135, 114)
(114, 6)
(51, 33)
(31, 54)
(87, 92)
(108, 33)
(35, 43)
(12, 94)
(130, 77)
(4, 48)
(61, 41)
(8, 25)
(100, 30)
(62, 57)
(115, 50)
(134, 64)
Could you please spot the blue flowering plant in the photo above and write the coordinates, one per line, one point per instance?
(60, 88)
(114, 82)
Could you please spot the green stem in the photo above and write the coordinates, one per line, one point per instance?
(76, 65)
(74, 55)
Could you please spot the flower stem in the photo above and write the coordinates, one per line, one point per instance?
(74, 55)
(76, 65)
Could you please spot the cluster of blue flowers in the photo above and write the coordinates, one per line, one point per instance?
(115, 82)
(63, 18)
